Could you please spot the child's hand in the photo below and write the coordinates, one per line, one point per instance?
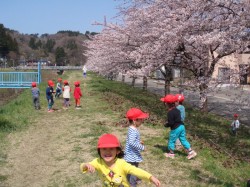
(142, 142)
(155, 181)
(90, 168)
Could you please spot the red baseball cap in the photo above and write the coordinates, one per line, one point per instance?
(65, 82)
(236, 115)
(76, 83)
(50, 83)
(180, 97)
(108, 141)
(59, 79)
(169, 99)
(33, 84)
(135, 113)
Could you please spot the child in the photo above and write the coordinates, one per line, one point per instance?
(179, 100)
(35, 96)
(77, 94)
(133, 143)
(49, 95)
(177, 128)
(66, 94)
(84, 71)
(58, 88)
(111, 168)
(235, 124)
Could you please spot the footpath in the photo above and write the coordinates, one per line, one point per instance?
(224, 101)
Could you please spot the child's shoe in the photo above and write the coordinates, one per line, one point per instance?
(51, 110)
(169, 155)
(191, 155)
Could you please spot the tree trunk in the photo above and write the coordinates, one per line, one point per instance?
(203, 98)
(123, 78)
(145, 83)
(167, 80)
(133, 81)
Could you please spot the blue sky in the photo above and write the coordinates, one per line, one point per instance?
(50, 16)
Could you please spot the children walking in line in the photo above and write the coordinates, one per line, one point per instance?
(235, 125)
(77, 95)
(58, 88)
(112, 169)
(66, 94)
(49, 95)
(35, 95)
(179, 105)
(134, 145)
(177, 128)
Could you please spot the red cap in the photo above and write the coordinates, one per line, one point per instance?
(50, 83)
(169, 99)
(135, 113)
(65, 82)
(180, 97)
(59, 79)
(77, 83)
(33, 84)
(236, 115)
(108, 141)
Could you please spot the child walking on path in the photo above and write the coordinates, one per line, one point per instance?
(179, 100)
(35, 96)
(49, 95)
(112, 169)
(235, 125)
(177, 128)
(134, 145)
(58, 88)
(77, 95)
(66, 94)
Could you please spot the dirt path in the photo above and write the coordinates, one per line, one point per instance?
(50, 151)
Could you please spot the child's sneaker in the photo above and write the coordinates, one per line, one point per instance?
(51, 110)
(169, 155)
(191, 155)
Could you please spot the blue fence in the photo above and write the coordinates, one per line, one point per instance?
(19, 79)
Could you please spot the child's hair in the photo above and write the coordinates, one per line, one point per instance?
(170, 105)
(120, 155)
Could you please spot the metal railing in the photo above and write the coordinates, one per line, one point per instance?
(19, 79)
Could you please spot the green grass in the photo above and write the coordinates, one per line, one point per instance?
(223, 157)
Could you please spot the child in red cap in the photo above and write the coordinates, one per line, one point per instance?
(235, 125)
(179, 105)
(177, 128)
(66, 94)
(112, 169)
(35, 95)
(134, 145)
(77, 94)
(49, 95)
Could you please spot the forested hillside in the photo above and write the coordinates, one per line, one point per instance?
(62, 48)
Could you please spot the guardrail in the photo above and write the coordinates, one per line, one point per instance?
(20, 79)
(50, 67)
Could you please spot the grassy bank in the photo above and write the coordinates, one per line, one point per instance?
(223, 160)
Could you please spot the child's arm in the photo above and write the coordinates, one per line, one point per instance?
(155, 181)
(87, 167)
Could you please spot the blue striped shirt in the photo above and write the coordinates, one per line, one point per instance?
(133, 146)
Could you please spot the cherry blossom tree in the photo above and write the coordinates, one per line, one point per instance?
(154, 33)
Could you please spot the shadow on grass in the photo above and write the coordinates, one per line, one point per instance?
(204, 178)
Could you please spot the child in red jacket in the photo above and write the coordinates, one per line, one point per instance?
(77, 94)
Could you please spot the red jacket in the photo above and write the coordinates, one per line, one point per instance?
(77, 93)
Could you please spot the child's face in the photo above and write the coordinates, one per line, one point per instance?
(138, 122)
(109, 154)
